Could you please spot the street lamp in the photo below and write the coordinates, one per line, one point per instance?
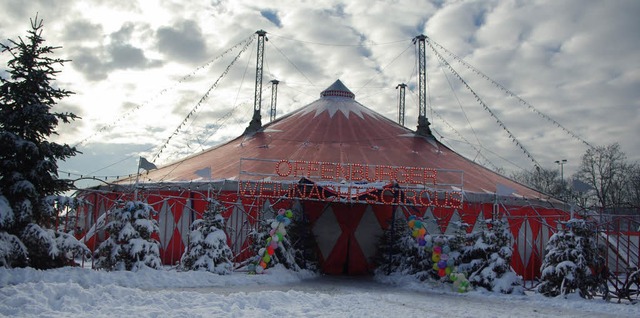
(561, 164)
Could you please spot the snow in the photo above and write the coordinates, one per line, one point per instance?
(80, 292)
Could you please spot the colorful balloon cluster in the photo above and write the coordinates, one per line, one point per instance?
(442, 263)
(277, 233)
(418, 231)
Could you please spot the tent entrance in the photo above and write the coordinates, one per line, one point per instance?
(346, 235)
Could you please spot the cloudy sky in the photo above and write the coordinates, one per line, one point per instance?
(138, 68)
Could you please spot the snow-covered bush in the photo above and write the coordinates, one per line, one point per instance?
(130, 245)
(569, 256)
(208, 249)
(488, 260)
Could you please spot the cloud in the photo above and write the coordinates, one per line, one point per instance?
(113, 53)
(183, 42)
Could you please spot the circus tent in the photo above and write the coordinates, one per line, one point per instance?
(359, 170)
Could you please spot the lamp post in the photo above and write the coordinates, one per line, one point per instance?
(561, 164)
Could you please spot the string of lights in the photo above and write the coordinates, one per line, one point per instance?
(125, 115)
(201, 101)
(484, 105)
(510, 93)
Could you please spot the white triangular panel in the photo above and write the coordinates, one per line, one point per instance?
(267, 211)
(166, 223)
(543, 238)
(327, 231)
(481, 224)
(368, 233)
(101, 227)
(525, 242)
(400, 217)
(237, 227)
(431, 223)
(185, 222)
(454, 223)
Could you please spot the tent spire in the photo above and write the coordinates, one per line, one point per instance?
(256, 120)
(274, 99)
(402, 87)
(423, 122)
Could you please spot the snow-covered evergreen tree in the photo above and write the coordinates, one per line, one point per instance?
(488, 260)
(303, 241)
(28, 161)
(392, 244)
(283, 251)
(208, 249)
(130, 245)
(569, 255)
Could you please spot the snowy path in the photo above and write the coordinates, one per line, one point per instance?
(87, 293)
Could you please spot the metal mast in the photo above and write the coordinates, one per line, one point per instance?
(256, 120)
(274, 99)
(402, 87)
(423, 122)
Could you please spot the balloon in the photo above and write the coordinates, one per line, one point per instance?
(274, 224)
(261, 251)
(280, 218)
(289, 214)
(422, 231)
(447, 270)
(412, 223)
(287, 221)
(412, 217)
(280, 237)
(435, 257)
(442, 264)
(437, 249)
(269, 239)
(263, 264)
(260, 269)
(270, 250)
(417, 224)
(266, 258)
(446, 249)
(281, 212)
(450, 262)
(421, 242)
(415, 233)
(444, 256)
(272, 232)
(281, 231)
(435, 267)
(442, 272)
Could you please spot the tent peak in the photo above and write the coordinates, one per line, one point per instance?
(338, 89)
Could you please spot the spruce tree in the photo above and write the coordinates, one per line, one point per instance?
(488, 260)
(28, 160)
(303, 242)
(569, 255)
(208, 249)
(130, 245)
(392, 245)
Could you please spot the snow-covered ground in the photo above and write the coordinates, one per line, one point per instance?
(77, 292)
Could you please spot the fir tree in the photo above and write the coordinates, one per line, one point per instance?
(392, 245)
(208, 249)
(303, 242)
(28, 161)
(569, 255)
(130, 245)
(488, 260)
(283, 250)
